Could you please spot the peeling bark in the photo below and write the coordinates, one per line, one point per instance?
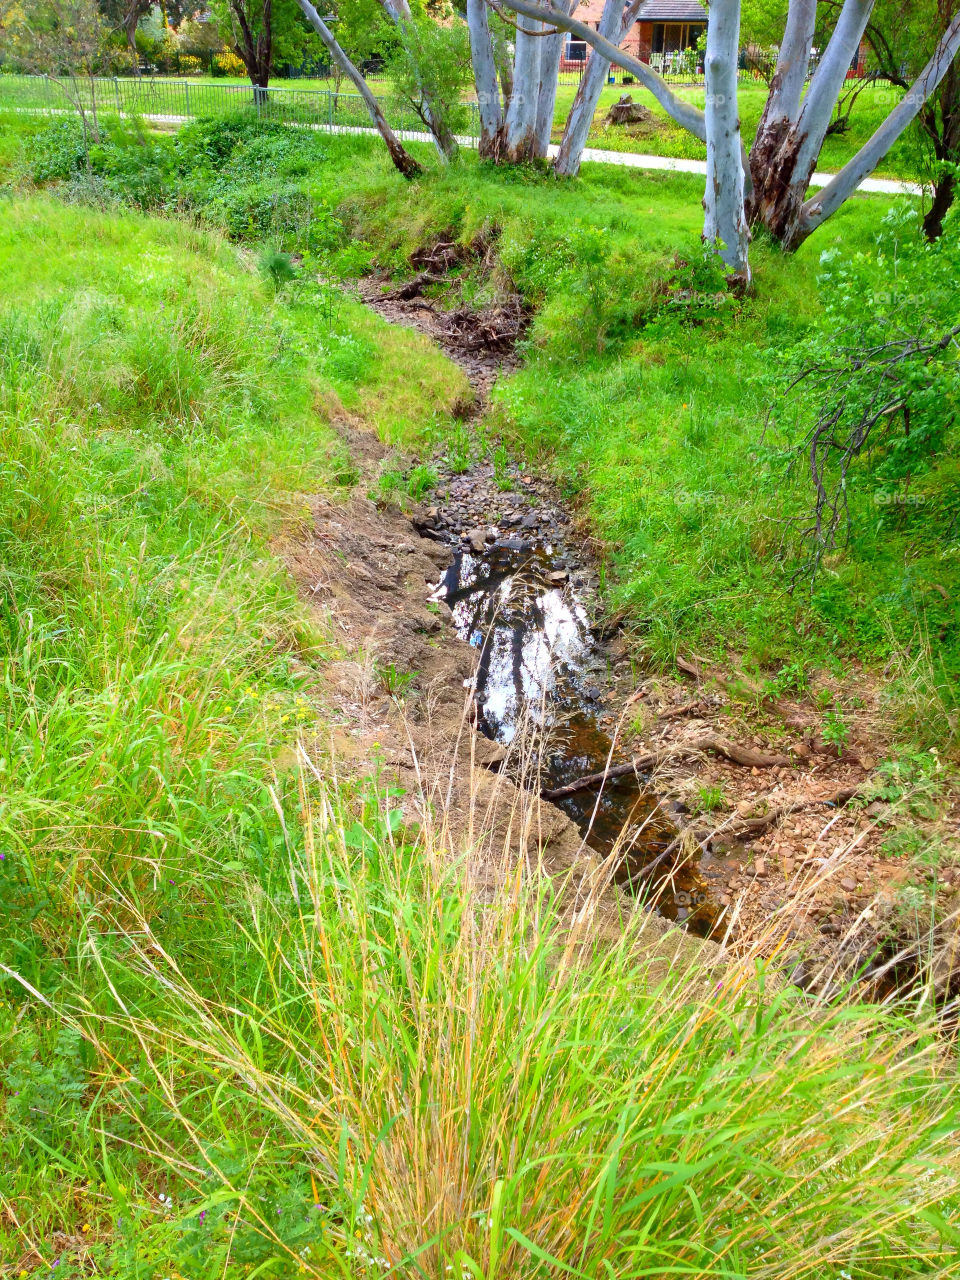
(788, 144)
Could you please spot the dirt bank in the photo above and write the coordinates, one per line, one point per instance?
(775, 832)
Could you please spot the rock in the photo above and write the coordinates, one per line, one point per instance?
(760, 867)
(477, 539)
(514, 544)
(849, 884)
(529, 522)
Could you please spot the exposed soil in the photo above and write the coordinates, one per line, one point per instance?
(789, 852)
(401, 703)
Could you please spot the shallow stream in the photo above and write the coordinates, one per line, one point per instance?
(541, 674)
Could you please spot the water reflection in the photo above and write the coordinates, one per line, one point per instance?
(538, 668)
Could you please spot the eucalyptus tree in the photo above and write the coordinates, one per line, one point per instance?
(486, 78)
(420, 57)
(900, 33)
(401, 158)
(794, 122)
(615, 22)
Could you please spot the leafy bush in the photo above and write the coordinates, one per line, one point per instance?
(251, 178)
(56, 152)
(227, 64)
(877, 382)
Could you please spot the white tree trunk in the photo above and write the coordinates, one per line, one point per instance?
(399, 13)
(785, 155)
(790, 75)
(550, 53)
(520, 141)
(826, 83)
(684, 113)
(485, 77)
(829, 199)
(577, 129)
(398, 153)
(725, 222)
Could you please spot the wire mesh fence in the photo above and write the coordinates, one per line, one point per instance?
(169, 99)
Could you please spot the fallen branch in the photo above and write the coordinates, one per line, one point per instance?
(688, 708)
(412, 287)
(746, 829)
(750, 827)
(732, 751)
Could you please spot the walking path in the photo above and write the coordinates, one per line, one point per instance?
(593, 155)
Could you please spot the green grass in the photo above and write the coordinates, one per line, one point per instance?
(668, 139)
(162, 421)
(252, 1021)
(309, 101)
(653, 415)
(659, 409)
(299, 101)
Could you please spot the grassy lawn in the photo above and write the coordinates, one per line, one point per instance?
(310, 101)
(668, 139)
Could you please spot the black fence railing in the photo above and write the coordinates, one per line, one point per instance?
(173, 100)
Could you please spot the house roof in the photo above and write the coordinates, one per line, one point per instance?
(671, 11)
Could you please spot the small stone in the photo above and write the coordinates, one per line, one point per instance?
(477, 539)
(760, 867)
(848, 883)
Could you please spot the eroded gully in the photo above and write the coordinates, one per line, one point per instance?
(522, 590)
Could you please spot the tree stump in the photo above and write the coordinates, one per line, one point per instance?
(626, 111)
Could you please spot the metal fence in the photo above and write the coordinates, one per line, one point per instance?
(681, 67)
(176, 100)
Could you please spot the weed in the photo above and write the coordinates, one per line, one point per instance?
(459, 448)
(836, 729)
(710, 797)
(501, 469)
(276, 268)
(394, 681)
